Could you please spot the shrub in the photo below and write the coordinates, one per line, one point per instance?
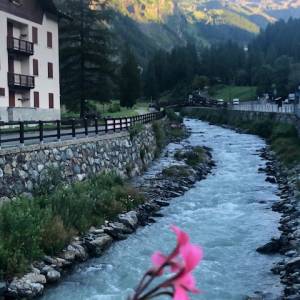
(176, 171)
(30, 228)
(135, 130)
(160, 136)
(173, 116)
(192, 157)
(115, 107)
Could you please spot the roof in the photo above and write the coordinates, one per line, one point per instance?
(50, 7)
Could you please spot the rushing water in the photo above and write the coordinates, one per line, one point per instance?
(223, 213)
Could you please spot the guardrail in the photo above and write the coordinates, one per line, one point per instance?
(17, 133)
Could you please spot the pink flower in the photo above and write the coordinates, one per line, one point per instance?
(190, 257)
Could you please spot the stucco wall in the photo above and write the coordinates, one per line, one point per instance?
(24, 65)
(23, 169)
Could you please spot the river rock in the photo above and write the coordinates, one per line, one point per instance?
(29, 286)
(80, 252)
(99, 244)
(68, 255)
(129, 219)
(293, 264)
(53, 276)
(3, 288)
(270, 248)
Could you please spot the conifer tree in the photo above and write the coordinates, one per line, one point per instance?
(130, 80)
(85, 54)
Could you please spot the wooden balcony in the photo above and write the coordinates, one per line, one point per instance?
(19, 46)
(19, 81)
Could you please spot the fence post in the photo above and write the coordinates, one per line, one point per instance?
(58, 127)
(73, 129)
(114, 123)
(0, 134)
(106, 125)
(41, 130)
(86, 128)
(22, 137)
(96, 126)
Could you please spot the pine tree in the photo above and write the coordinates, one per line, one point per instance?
(130, 80)
(85, 54)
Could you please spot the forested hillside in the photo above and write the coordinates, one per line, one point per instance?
(271, 62)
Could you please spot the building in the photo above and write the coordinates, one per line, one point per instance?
(29, 60)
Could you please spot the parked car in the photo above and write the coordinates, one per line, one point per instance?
(236, 101)
(220, 102)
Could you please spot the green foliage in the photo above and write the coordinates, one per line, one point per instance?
(193, 157)
(173, 117)
(30, 228)
(160, 136)
(176, 172)
(130, 81)
(227, 92)
(86, 54)
(115, 107)
(135, 130)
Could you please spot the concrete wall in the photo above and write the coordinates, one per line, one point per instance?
(23, 169)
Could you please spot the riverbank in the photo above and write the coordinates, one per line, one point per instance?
(98, 239)
(58, 212)
(282, 168)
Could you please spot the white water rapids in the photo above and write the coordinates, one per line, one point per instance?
(224, 213)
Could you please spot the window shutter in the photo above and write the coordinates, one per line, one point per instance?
(51, 100)
(34, 35)
(49, 39)
(35, 67)
(50, 70)
(36, 99)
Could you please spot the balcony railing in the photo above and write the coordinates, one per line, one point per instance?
(19, 81)
(19, 46)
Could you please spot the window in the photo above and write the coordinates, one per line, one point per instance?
(50, 70)
(36, 98)
(35, 35)
(51, 100)
(35, 67)
(49, 39)
(2, 92)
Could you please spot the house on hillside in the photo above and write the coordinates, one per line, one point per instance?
(29, 60)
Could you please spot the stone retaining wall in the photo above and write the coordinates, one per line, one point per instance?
(23, 169)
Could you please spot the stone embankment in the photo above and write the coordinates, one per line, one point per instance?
(158, 191)
(22, 170)
(288, 244)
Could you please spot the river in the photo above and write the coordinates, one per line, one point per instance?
(223, 213)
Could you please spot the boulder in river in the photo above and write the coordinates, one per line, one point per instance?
(99, 244)
(271, 247)
(129, 219)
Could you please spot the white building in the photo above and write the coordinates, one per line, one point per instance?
(29, 60)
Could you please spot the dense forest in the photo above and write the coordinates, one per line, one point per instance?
(96, 65)
(271, 62)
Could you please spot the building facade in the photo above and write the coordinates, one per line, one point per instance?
(29, 60)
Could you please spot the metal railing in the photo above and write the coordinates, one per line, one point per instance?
(20, 81)
(17, 133)
(265, 107)
(20, 46)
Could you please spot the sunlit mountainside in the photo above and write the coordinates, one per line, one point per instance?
(152, 24)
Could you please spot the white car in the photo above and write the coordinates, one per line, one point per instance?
(236, 101)
(220, 102)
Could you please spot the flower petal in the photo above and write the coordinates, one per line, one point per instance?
(182, 237)
(158, 259)
(180, 294)
(192, 255)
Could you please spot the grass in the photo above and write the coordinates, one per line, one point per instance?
(31, 228)
(113, 109)
(193, 157)
(227, 92)
(176, 171)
